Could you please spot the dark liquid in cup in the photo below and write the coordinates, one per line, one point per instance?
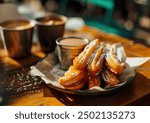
(50, 20)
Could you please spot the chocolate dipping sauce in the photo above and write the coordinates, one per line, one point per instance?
(73, 42)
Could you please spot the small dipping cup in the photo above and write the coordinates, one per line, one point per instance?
(68, 48)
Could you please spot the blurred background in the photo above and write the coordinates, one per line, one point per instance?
(127, 18)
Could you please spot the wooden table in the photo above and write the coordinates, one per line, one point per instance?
(136, 93)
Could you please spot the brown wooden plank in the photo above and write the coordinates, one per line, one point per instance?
(136, 93)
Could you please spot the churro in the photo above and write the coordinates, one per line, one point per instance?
(96, 65)
(109, 77)
(78, 85)
(94, 81)
(80, 62)
(113, 63)
(72, 76)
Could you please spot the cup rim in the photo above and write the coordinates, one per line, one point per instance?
(31, 22)
(58, 41)
(64, 18)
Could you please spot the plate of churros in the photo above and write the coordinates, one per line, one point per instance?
(99, 69)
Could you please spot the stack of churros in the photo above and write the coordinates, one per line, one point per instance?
(96, 65)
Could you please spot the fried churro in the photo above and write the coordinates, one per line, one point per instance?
(93, 81)
(80, 62)
(109, 77)
(114, 64)
(96, 65)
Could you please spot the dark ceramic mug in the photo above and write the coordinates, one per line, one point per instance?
(49, 28)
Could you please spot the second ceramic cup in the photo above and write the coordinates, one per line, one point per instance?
(49, 28)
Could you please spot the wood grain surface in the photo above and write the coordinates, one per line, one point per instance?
(136, 93)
